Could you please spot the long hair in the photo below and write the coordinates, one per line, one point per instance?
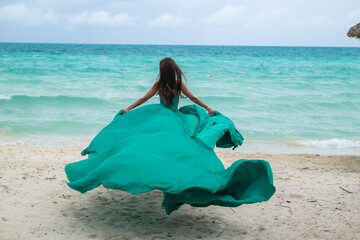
(168, 83)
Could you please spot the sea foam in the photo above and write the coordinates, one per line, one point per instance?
(330, 143)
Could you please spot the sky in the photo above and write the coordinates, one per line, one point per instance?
(182, 22)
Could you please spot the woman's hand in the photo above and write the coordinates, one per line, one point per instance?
(211, 111)
(125, 110)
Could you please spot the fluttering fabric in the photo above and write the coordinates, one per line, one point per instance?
(170, 149)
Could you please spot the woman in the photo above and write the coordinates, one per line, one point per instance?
(169, 85)
(159, 146)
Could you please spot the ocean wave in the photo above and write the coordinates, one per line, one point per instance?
(5, 97)
(330, 143)
(61, 99)
(221, 98)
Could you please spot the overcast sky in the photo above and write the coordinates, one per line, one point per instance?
(197, 22)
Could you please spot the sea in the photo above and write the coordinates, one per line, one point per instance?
(282, 99)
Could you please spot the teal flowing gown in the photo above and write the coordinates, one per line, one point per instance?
(170, 149)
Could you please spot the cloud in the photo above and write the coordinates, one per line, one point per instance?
(286, 19)
(168, 20)
(100, 18)
(268, 20)
(260, 22)
(31, 16)
(27, 15)
(354, 16)
(227, 16)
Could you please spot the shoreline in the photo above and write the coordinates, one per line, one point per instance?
(317, 197)
(252, 147)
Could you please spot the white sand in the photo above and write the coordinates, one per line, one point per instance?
(310, 202)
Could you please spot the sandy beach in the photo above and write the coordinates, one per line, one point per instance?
(317, 197)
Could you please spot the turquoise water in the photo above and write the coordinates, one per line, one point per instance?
(292, 99)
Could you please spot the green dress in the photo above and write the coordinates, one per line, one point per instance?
(170, 149)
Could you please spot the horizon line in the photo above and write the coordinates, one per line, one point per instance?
(160, 44)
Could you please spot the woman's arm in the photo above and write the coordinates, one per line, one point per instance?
(196, 100)
(141, 100)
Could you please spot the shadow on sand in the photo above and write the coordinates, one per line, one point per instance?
(112, 214)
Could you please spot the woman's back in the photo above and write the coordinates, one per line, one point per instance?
(174, 102)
